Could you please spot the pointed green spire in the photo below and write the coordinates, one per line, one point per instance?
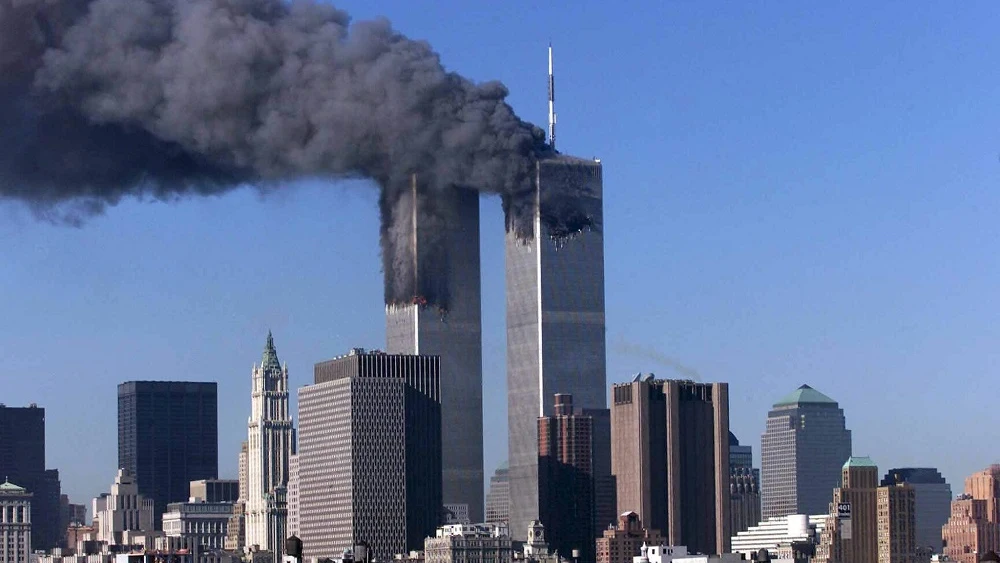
(270, 357)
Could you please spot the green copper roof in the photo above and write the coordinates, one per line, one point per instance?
(803, 395)
(8, 486)
(270, 358)
(859, 461)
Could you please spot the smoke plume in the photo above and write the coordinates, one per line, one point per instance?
(105, 99)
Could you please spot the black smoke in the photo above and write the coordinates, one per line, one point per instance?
(106, 99)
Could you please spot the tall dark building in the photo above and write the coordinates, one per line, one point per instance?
(22, 460)
(744, 487)
(167, 437)
(555, 314)
(932, 502)
(370, 454)
(682, 427)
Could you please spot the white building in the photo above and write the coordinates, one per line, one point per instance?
(15, 523)
(270, 444)
(777, 534)
(679, 554)
(203, 523)
(123, 516)
(464, 543)
(293, 496)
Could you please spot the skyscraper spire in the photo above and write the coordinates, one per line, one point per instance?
(270, 356)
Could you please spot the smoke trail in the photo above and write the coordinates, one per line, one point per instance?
(633, 349)
(105, 99)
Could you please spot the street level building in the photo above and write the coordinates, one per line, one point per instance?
(464, 543)
(15, 523)
(555, 313)
(802, 450)
(684, 427)
(623, 542)
(933, 502)
(22, 461)
(167, 437)
(369, 455)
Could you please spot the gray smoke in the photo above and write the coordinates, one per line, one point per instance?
(105, 99)
(638, 350)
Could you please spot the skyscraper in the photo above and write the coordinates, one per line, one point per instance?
(566, 480)
(270, 443)
(896, 524)
(682, 426)
(22, 460)
(555, 315)
(446, 251)
(803, 448)
(370, 454)
(932, 502)
(498, 499)
(854, 539)
(744, 487)
(167, 437)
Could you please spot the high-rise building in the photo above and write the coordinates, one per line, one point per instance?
(853, 539)
(565, 479)
(933, 502)
(270, 443)
(555, 314)
(622, 542)
(22, 460)
(15, 523)
(370, 454)
(974, 527)
(802, 450)
(498, 499)
(896, 524)
(124, 513)
(450, 329)
(744, 487)
(168, 436)
(682, 426)
(293, 496)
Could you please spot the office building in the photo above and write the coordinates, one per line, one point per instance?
(744, 487)
(124, 516)
(853, 539)
(203, 524)
(15, 523)
(498, 499)
(445, 255)
(22, 461)
(622, 542)
(565, 479)
(370, 454)
(974, 525)
(933, 502)
(215, 490)
(293, 496)
(463, 543)
(896, 524)
(270, 444)
(779, 535)
(167, 437)
(803, 448)
(555, 313)
(682, 426)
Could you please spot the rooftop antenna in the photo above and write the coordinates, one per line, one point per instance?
(552, 102)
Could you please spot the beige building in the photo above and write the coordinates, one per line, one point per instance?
(463, 543)
(897, 524)
(623, 542)
(15, 523)
(853, 539)
(974, 525)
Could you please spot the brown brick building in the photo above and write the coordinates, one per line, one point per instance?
(853, 540)
(897, 524)
(621, 543)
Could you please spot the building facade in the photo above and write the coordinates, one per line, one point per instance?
(933, 502)
(778, 535)
(215, 490)
(897, 524)
(204, 524)
(974, 525)
(744, 487)
(22, 461)
(555, 313)
(498, 499)
(443, 319)
(15, 523)
(684, 427)
(854, 539)
(124, 513)
(802, 450)
(622, 542)
(369, 454)
(463, 543)
(565, 479)
(168, 436)
(270, 444)
(293, 496)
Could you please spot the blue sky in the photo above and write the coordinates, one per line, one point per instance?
(794, 193)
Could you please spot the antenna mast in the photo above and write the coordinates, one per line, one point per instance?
(552, 103)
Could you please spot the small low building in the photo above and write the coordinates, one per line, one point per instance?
(469, 543)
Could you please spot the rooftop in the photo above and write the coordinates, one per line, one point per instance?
(805, 395)
(9, 487)
(859, 461)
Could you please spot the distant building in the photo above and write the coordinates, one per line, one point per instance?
(933, 502)
(22, 461)
(802, 450)
(456, 514)
(370, 454)
(498, 498)
(15, 523)
(621, 543)
(215, 490)
(682, 426)
(293, 496)
(536, 548)
(974, 524)
(236, 529)
(744, 487)
(779, 534)
(203, 524)
(124, 517)
(462, 543)
(853, 540)
(897, 524)
(168, 436)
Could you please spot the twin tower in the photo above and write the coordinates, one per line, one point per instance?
(555, 328)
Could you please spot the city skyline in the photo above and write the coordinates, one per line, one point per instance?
(869, 283)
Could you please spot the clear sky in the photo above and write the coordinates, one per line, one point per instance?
(794, 193)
